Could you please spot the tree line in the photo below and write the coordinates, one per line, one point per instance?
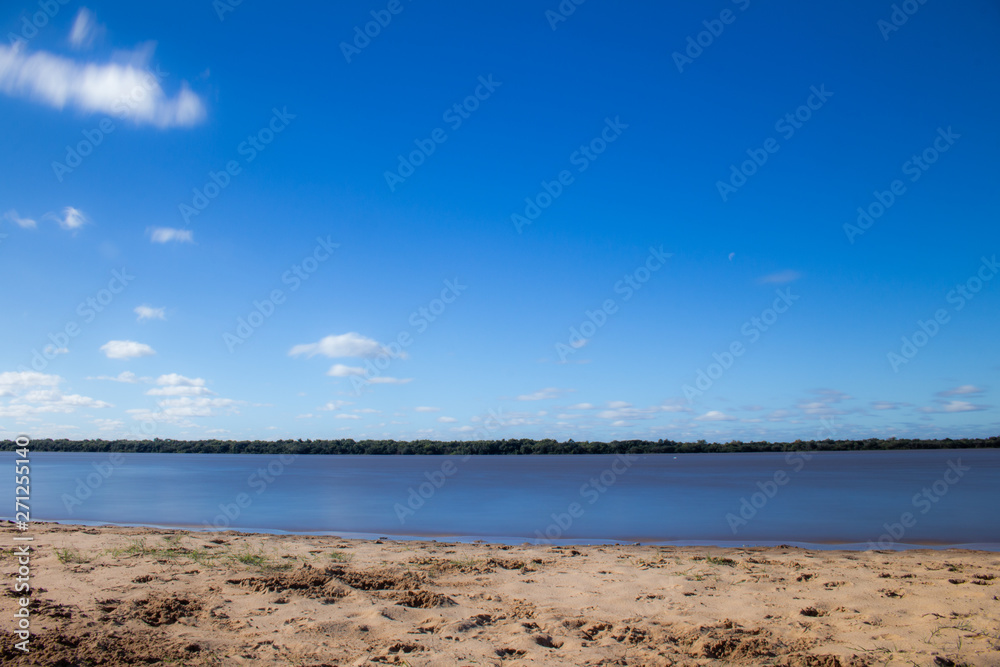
(489, 447)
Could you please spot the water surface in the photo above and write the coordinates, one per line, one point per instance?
(928, 497)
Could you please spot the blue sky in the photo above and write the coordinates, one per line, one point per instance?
(509, 221)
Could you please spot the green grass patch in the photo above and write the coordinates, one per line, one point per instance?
(68, 556)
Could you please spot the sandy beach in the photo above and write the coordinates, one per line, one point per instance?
(125, 596)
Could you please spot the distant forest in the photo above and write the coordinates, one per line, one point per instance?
(488, 447)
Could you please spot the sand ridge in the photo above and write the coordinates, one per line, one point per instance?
(127, 596)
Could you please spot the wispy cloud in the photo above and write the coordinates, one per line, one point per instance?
(127, 377)
(715, 416)
(168, 234)
(389, 380)
(963, 390)
(179, 410)
(342, 371)
(625, 413)
(85, 29)
(174, 384)
(149, 313)
(780, 278)
(954, 406)
(543, 394)
(71, 218)
(90, 87)
(12, 217)
(832, 395)
(426, 408)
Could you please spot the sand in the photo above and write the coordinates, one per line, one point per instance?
(125, 596)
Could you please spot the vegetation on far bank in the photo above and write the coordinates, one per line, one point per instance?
(489, 447)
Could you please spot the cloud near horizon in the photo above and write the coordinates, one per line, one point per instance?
(32, 393)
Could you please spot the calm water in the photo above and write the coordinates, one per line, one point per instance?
(833, 497)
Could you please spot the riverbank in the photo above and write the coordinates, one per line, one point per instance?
(122, 596)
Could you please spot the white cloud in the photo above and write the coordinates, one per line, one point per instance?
(125, 376)
(543, 394)
(194, 407)
(715, 416)
(886, 405)
(463, 429)
(72, 218)
(366, 411)
(389, 380)
(109, 424)
(53, 350)
(350, 344)
(179, 391)
(176, 380)
(97, 88)
(334, 405)
(168, 234)
(12, 216)
(779, 415)
(582, 406)
(964, 390)
(780, 278)
(614, 405)
(149, 313)
(426, 408)
(173, 384)
(955, 406)
(307, 415)
(447, 420)
(13, 382)
(126, 349)
(85, 29)
(626, 412)
(832, 395)
(342, 371)
(344, 415)
(38, 393)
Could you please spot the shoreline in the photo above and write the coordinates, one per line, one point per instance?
(135, 595)
(985, 547)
